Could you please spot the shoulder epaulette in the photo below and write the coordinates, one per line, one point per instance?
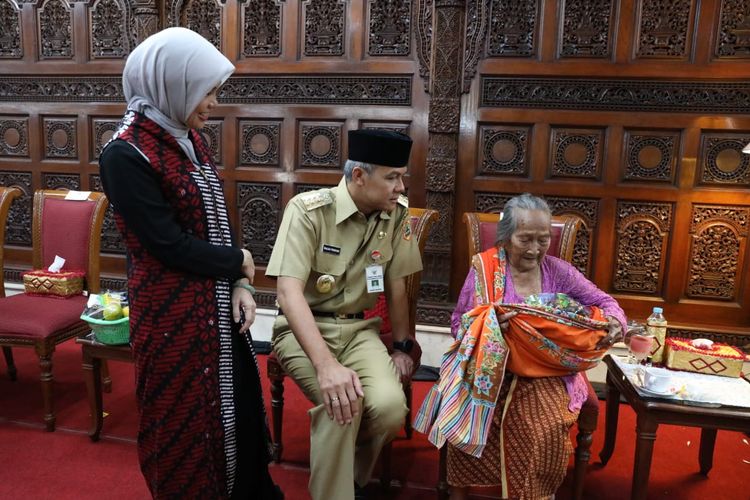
(316, 199)
(403, 201)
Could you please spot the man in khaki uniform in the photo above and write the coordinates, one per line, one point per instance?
(336, 250)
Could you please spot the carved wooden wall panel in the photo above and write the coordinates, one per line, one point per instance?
(109, 27)
(325, 27)
(260, 212)
(513, 28)
(586, 28)
(718, 243)
(61, 181)
(18, 229)
(587, 211)
(260, 143)
(505, 150)
(60, 138)
(201, 16)
(14, 136)
(733, 40)
(665, 28)
(10, 30)
(261, 28)
(650, 156)
(389, 27)
(55, 25)
(642, 243)
(320, 145)
(721, 161)
(111, 237)
(576, 152)
(101, 131)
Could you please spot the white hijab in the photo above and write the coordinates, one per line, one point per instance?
(168, 75)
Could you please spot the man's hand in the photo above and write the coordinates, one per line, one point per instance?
(614, 334)
(341, 390)
(404, 365)
(248, 265)
(243, 302)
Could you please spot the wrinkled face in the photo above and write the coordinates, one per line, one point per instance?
(380, 189)
(201, 113)
(531, 239)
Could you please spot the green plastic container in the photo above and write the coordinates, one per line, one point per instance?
(109, 332)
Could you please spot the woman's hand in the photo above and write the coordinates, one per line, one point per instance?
(503, 320)
(614, 334)
(248, 265)
(243, 302)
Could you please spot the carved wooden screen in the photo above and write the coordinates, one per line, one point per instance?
(307, 72)
(631, 115)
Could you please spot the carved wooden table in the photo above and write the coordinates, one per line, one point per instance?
(650, 413)
(93, 354)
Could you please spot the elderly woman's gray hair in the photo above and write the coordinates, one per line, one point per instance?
(507, 224)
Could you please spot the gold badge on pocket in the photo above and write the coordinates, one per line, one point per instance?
(325, 283)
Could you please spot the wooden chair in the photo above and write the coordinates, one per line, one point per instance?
(481, 229)
(421, 222)
(7, 195)
(70, 229)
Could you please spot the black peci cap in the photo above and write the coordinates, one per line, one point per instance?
(379, 147)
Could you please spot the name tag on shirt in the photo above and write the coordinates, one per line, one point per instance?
(374, 278)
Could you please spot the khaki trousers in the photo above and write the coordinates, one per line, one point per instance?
(342, 454)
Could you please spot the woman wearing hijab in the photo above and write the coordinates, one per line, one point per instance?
(202, 431)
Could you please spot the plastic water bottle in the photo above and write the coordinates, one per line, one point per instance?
(656, 325)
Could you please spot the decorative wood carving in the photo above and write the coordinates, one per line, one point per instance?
(721, 161)
(423, 38)
(475, 38)
(616, 95)
(586, 27)
(390, 27)
(109, 24)
(61, 181)
(261, 28)
(718, 239)
(664, 28)
(304, 188)
(111, 237)
(441, 163)
(491, 203)
(402, 127)
(260, 142)
(102, 130)
(320, 145)
(642, 238)
(14, 136)
(576, 152)
(144, 21)
(433, 292)
(651, 155)
(212, 135)
(505, 150)
(441, 235)
(284, 89)
(10, 30)
(113, 284)
(324, 27)
(734, 29)
(260, 215)
(202, 16)
(60, 137)
(434, 315)
(55, 32)
(18, 229)
(588, 211)
(513, 28)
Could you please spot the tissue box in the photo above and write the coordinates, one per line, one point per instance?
(720, 359)
(63, 284)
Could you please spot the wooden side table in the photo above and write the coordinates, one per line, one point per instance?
(650, 412)
(93, 353)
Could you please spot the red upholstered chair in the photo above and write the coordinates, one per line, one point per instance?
(7, 195)
(421, 222)
(72, 230)
(481, 229)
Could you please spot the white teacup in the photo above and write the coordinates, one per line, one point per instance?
(657, 380)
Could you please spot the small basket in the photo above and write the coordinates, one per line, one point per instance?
(113, 332)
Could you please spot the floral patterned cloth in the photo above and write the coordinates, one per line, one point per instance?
(542, 341)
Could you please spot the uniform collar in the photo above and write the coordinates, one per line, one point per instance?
(345, 206)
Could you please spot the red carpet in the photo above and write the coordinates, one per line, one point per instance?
(67, 465)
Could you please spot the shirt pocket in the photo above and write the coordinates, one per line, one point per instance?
(335, 265)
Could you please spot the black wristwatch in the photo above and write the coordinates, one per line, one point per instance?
(403, 345)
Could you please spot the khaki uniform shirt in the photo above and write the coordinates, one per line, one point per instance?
(322, 232)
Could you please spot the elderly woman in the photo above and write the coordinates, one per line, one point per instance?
(202, 430)
(510, 386)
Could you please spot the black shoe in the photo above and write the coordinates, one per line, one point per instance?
(359, 492)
